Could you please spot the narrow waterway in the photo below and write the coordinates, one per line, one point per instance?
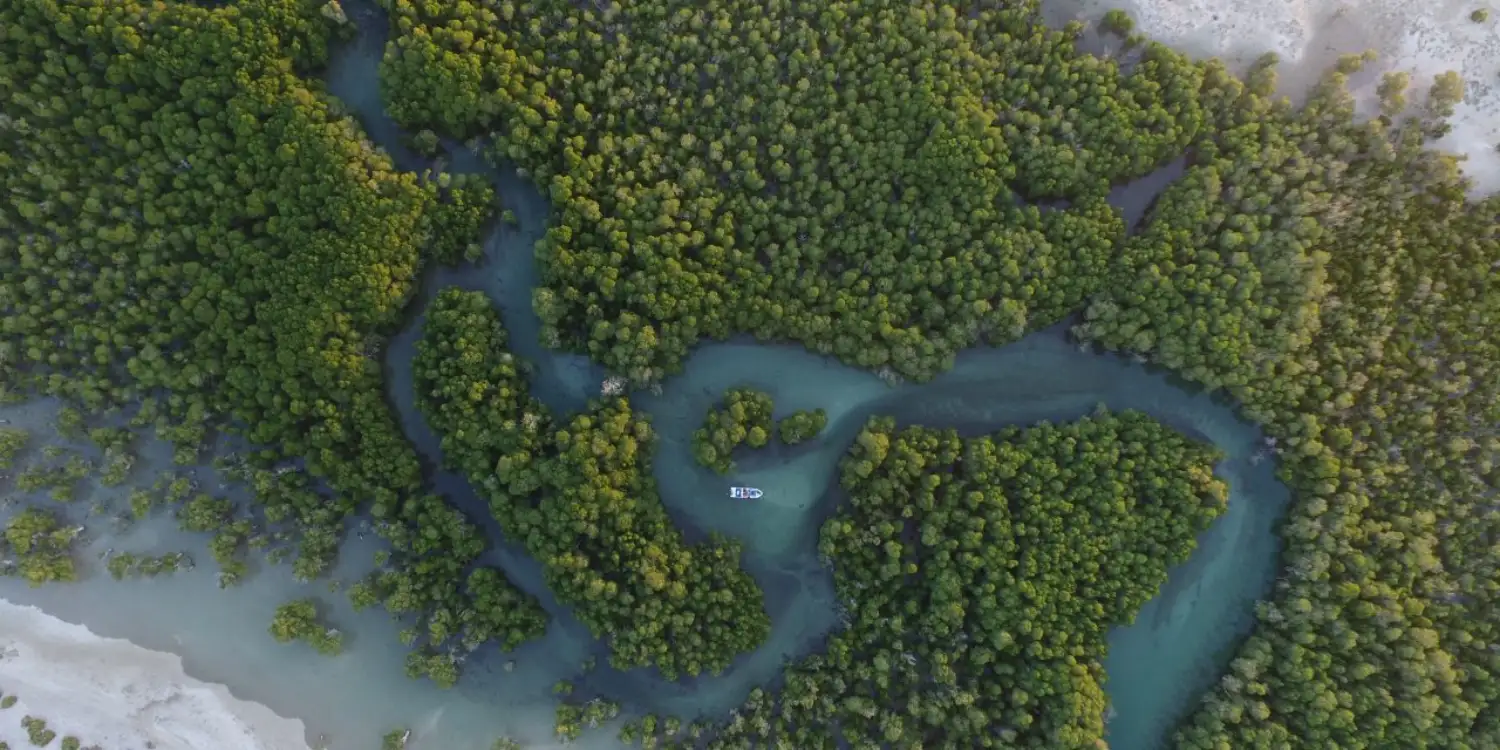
(1157, 665)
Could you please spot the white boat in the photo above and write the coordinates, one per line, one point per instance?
(744, 493)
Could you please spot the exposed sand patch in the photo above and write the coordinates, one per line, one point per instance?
(114, 694)
(1423, 37)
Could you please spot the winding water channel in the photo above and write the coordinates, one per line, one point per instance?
(1157, 666)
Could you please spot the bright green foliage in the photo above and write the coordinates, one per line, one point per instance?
(41, 547)
(801, 425)
(8, 701)
(71, 743)
(835, 173)
(978, 579)
(581, 498)
(298, 621)
(571, 720)
(37, 732)
(505, 743)
(12, 440)
(1332, 278)
(744, 417)
(1118, 22)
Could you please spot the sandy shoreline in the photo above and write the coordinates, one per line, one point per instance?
(1421, 38)
(112, 693)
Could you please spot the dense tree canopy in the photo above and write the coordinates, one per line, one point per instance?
(842, 174)
(190, 223)
(837, 173)
(977, 579)
(1329, 275)
(188, 219)
(579, 495)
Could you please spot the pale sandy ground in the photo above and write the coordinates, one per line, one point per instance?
(1422, 37)
(117, 695)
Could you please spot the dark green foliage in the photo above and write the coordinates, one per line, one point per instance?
(190, 223)
(40, 546)
(1480, 15)
(1330, 275)
(461, 602)
(395, 739)
(426, 142)
(298, 621)
(12, 440)
(835, 173)
(465, 203)
(744, 417)
(580, 497)
(978, 579)
(129, 565)
(801, 426)
(473, 392)
(186, 221)
(439, 666)
(216, 515)
(70, 422)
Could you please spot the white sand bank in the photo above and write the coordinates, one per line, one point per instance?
(119, 696)
(1422, 37)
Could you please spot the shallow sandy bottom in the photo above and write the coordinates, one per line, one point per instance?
(1423, 37)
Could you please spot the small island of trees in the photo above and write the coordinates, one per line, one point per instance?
(801, 426)
(298, 621)
(37, 546)
(743, 418)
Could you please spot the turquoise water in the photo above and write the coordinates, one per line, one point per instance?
(1157, 666)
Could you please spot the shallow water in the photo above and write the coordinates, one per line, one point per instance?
(1157, 666)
